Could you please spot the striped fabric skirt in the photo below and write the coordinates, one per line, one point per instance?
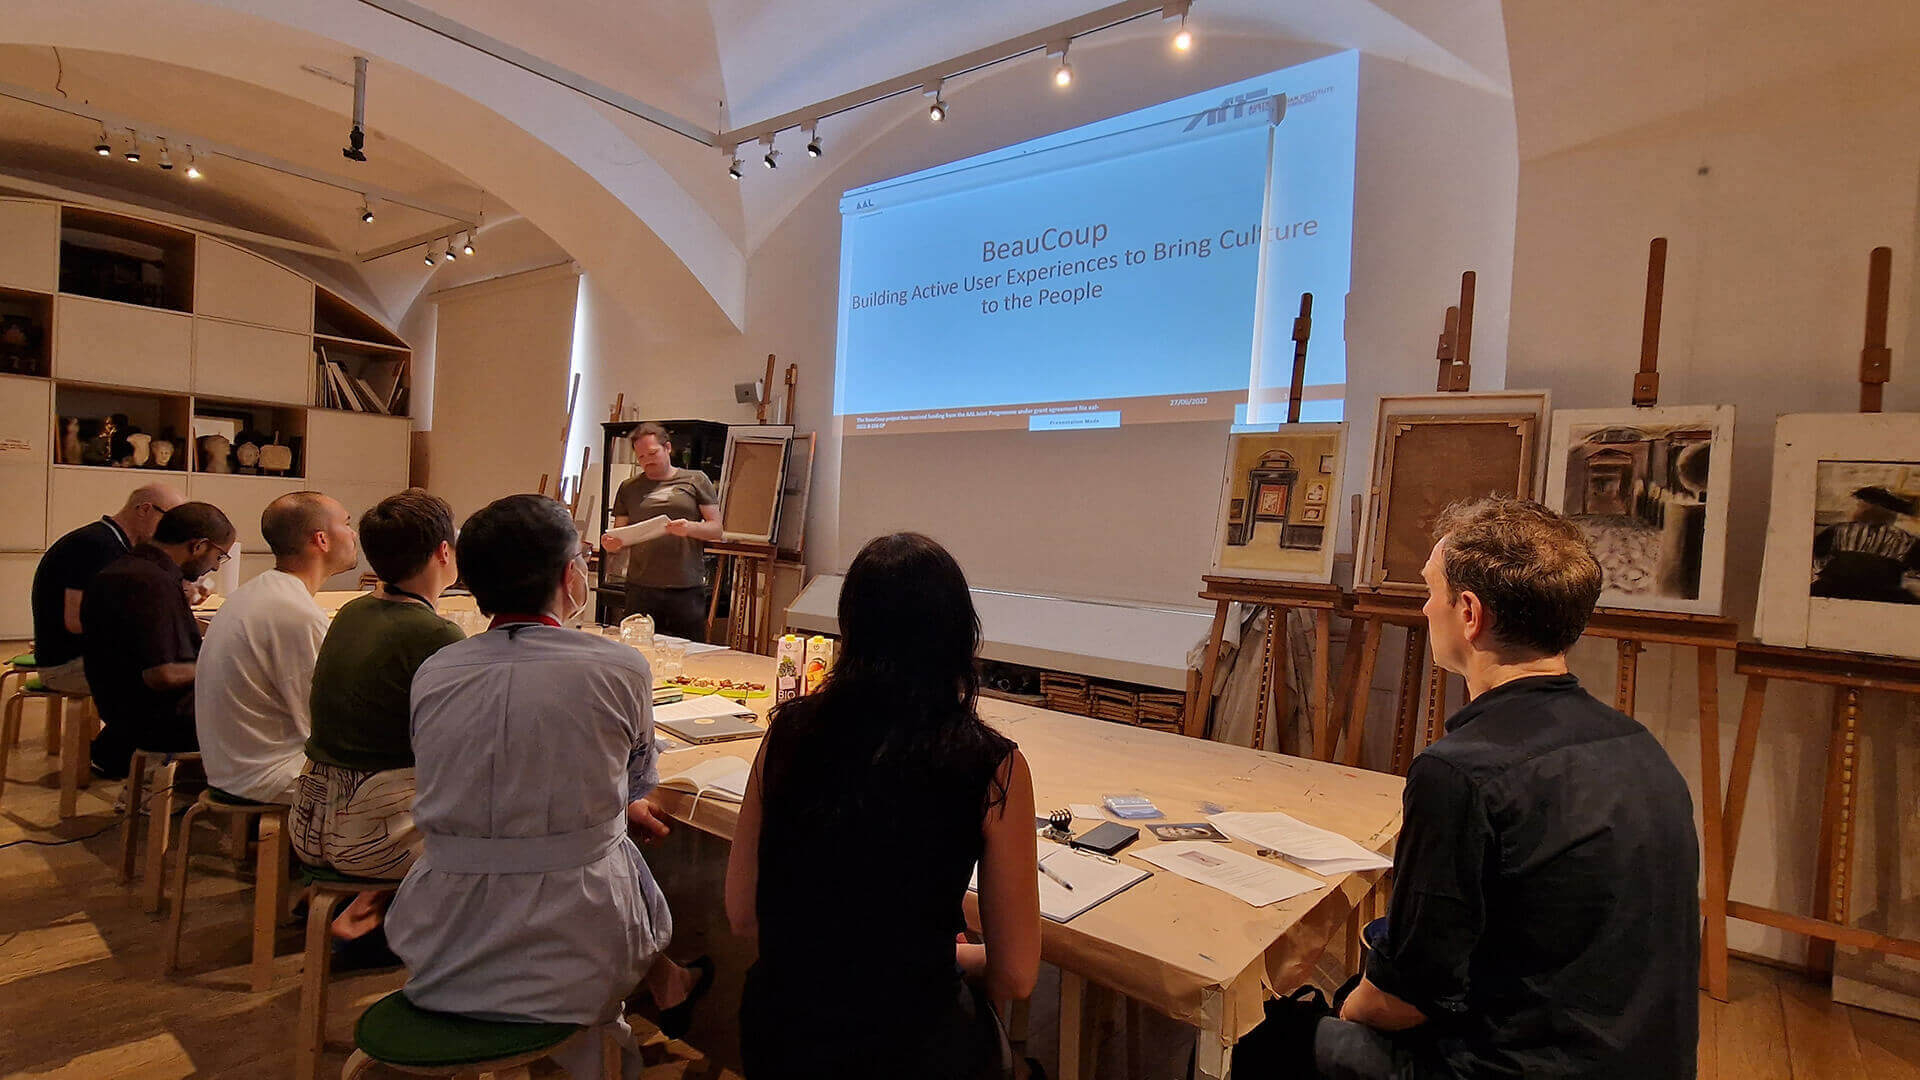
(355, 822)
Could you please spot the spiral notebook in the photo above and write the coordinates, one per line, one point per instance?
(1094, 880)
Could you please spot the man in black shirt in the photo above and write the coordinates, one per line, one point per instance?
(1544, 920)
(70, 564)
(141, 640)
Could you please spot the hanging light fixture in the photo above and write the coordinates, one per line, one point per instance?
(1183, 37)
(937, 111)
(812, 131)
(467, 248)
(1062, 75)
(429, 259)
(366, 210)
(166, 158)
(133, 146)
(449, 254)
(193, 168)
(103, 147)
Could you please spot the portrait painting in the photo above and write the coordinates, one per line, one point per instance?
(1649, 488)
(1265, 527)
(1842, 560)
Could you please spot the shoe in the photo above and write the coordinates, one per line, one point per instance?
(677, 1021)
(368, 952)
(101, 772)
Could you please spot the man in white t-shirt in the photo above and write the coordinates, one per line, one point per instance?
(256, 665)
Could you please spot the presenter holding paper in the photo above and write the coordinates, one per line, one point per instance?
(664, 572)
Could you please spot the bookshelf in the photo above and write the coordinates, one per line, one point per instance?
(167, 333)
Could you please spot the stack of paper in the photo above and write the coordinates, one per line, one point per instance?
(1318, 850)
(721, 777)
(1239, 875)
(700, 707)
(1094, 880)
(640, 531)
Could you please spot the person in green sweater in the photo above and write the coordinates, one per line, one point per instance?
(353, 809)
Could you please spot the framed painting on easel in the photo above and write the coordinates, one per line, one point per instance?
(752, 481)
(1272, 522)
(1649, 487)
(1842, 565)
(1433, 450)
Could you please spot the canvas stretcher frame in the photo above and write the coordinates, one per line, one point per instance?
(752, 481)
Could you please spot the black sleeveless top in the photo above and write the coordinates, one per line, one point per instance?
(864, 862)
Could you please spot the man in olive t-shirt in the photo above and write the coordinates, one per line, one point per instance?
(664, 575)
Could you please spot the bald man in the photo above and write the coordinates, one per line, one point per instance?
(255, 673)
(70, 564)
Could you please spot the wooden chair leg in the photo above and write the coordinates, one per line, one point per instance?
(356, 1064)
(9, 735)
(159, 836)
(73, 757)
(54, 718)
(310, 1038)
(134, 794)
(610, 1063)
(238, 832)
(269, 884)
(181, 851)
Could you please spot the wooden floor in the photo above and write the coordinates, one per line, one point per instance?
(82, 996)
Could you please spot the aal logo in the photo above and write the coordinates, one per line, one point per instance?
(1239, 105)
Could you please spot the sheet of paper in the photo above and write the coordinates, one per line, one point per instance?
(722, 777)
(640, 531)
(700, 707)
(1239, 875)
(1095, 880)
(1314, 848)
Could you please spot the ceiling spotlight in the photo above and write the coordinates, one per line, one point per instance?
(467, 248)
(1177, 9)
(366, 210)
(813, 139)
(1062, 75)
(449, 253)
(193, 168)
(133, 146)
(733, 169)
(166, 159)
(429, 260)
(103, 147)
(937, 111)
(356, 148)
(772, 159)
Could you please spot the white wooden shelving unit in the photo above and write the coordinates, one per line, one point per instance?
(221, 329)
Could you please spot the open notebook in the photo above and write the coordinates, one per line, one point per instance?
(1095, 880)
(714, 778)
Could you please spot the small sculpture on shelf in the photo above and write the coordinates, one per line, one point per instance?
(246, 458)
(163, 451)
(120, 452)
(20, 345)
(275, 458)
(97, 448)
(69, 445)
(141, 445)
(215, 450)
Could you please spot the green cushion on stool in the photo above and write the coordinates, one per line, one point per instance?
(395, 1031)
(33, 684)
(25, 659)
(329, 876)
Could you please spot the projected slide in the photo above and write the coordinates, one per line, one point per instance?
(1141, 269)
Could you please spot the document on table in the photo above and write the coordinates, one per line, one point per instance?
(700, 707)
(720, 778)
(1314, 848)
(1095, 880)
(640, 531)
(1239, 875)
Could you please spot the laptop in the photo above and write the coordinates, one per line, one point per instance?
(711, 729)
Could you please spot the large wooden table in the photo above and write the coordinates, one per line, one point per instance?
(1186, 950)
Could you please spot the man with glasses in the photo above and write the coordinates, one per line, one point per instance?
(70, 564)
(141, 641)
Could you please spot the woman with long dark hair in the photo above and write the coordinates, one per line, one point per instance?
(870, 803)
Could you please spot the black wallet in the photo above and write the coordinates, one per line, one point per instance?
(1106, 837)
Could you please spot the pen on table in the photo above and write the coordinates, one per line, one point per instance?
(1057, 879)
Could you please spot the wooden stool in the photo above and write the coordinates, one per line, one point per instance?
(73, 740)
(16, 671)
(270, 892)
(160, 818)
(326, 888)
(403, 1037)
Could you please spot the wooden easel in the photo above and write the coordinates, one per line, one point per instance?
(1278, 597)
(748, 567)
(1848, 674)
(1374, 609)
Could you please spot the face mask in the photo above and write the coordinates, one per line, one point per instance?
(576, 607)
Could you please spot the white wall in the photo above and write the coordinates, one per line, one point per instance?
(1771, 200)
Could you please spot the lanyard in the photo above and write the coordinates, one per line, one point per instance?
(395, 590)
